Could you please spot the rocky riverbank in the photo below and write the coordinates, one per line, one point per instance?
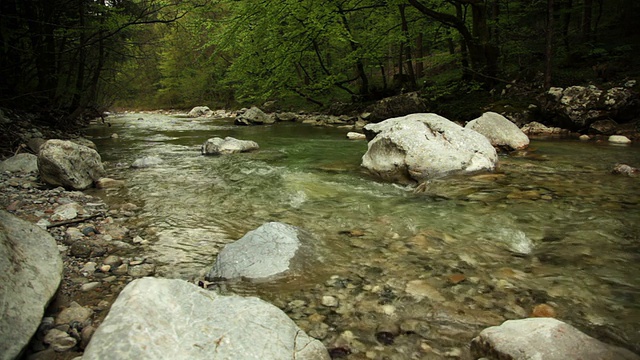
(98, 253)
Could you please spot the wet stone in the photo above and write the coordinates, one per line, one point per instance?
(90, 286)
(75, 312)
(121, 270)
(72, 235)
(80, 249)
(142, 270)
(112, 260)
(329, 301)
(59, 340)
(88, 268)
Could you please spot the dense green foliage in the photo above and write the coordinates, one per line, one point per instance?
(67, 56)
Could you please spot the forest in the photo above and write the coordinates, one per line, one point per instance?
(69, 59)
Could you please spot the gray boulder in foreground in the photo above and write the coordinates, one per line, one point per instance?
(173, 319)
(424, 146)
(228, 145)
(65, 163)
(30, 272)
(260, 253)
(500, 131)
(545, 339)
(24, 162)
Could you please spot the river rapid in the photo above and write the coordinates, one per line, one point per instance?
(415, 275)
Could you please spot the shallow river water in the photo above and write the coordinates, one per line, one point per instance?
(415, 275)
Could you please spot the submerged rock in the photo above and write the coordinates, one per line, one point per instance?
(264, 252)
(30, 272)
(172, 319)
(147, 161)
(228, 145)
(420, 147)
(543, 338)
(624, 169)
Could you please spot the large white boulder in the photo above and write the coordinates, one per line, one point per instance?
(423, 146)
(543, 338)
(30, 272)
(173, 319)
(501, 132)
(64, 163)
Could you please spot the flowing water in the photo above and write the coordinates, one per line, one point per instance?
(551, 225)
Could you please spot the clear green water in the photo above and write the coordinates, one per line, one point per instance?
(551, 225)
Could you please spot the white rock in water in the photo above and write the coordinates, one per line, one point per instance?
(619, 139)
(351, 135)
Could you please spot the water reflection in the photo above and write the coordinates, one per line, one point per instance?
(551, 225)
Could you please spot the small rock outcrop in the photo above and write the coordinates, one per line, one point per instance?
(604, 127)
(418, 147)
(64, 163)
(501, 132)
(535, 128)
(577, 107)
(30, 272)
(199, 111)
(24, 162)
(286, 116)
(173, 319)
(396, 106)
(253, 116)
(228, 145)
(261, 253)
(543, 338)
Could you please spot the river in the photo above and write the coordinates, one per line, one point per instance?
(552, 225)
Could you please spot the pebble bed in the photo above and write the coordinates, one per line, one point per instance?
(98, 252)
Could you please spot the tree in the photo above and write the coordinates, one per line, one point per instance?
(54, 53)
(483, 53)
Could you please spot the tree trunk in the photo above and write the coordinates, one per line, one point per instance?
(360, 70)
(419, 56)
(587, 12)
(487, 53)
(43, 45)
(82, 59)
(464, 54)
(407, 48)
(566, 6)
(482, 53)
(549, 50)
